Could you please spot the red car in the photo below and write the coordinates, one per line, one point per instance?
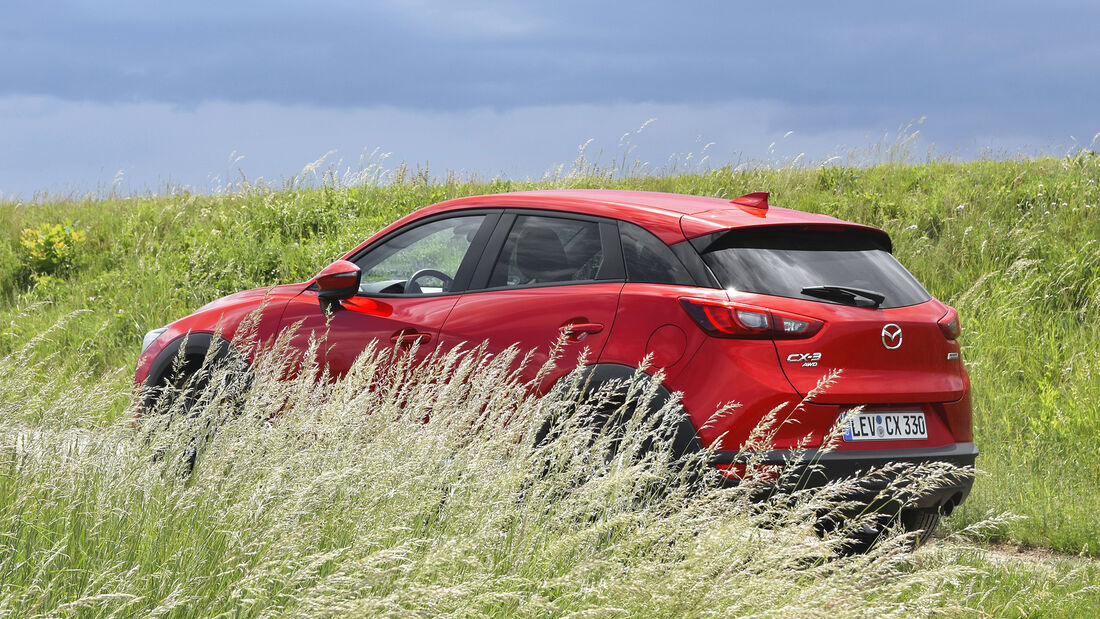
(736, 301)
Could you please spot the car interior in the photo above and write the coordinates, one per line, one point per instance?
(535, 252)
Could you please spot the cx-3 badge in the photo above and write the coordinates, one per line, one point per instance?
(891, 336)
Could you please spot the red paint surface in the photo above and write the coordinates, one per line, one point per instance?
(532, 319)
(346, 334)
(666, 346)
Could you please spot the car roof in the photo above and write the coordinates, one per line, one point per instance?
(672, 217)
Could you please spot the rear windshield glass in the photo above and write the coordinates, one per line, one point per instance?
(783, 262)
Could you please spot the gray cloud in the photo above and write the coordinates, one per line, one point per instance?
(66, 147)
(870, 56)
(177, 84)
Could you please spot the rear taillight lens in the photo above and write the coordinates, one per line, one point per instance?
(949, 324)
(726, 320)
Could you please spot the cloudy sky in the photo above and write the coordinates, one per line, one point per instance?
(200, 93)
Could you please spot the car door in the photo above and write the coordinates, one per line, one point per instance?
(542, 276)
(411, 279)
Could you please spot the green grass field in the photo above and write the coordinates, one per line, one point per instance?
(1014, 245)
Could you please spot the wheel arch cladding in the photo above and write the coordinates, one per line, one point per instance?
(684, 439)
(195, 346)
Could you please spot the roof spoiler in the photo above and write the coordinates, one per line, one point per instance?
(755, 203)
(707, 242)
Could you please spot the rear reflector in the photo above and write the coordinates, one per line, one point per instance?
(735, 321)
(950, 325)
(766, 473)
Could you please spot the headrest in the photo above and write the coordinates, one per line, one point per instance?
(540, 255)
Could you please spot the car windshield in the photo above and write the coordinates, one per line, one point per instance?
(838, 266)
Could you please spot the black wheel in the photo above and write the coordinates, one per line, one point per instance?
(184, 396)
(921, 521)
(183, 390)
(856, 541)
(609, 418)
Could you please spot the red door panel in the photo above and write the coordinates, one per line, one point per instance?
(392, 321)
(533, 318)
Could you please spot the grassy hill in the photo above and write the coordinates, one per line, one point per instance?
(1013, 245)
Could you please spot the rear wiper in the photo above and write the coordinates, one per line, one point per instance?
(846, 294)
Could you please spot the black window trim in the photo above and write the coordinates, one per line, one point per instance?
(693, 262)
(465, 269)
(477, 265)
(682, 252)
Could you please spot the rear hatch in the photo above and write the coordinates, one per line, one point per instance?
(891, 341)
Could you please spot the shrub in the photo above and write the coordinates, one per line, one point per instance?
(50, 248)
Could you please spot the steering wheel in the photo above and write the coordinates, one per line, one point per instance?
(411, 287)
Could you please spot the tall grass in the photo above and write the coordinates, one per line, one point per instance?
(420, 489)
(1011, 243)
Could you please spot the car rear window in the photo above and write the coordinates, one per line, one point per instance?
(782, 262)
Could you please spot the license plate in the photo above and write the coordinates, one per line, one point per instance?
(886, 426)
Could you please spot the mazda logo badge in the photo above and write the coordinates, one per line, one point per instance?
(891, 336)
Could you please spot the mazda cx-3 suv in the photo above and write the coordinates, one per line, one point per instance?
(734, 301)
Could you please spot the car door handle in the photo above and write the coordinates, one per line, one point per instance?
(577, 331)
(408, 338)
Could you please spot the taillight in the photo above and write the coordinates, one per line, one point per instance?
(949, 324)
(724, 320)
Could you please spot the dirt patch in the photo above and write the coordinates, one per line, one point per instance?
(1039, 557)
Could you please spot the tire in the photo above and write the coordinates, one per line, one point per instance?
(176, 400)
(683, 440)
(921, 521)
(180, 391)
(855, 542)
(195, 349)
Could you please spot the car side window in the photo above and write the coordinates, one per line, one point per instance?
(648, 259)
(541, 250)
(422, 260)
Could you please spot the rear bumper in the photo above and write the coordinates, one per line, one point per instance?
(816, 468)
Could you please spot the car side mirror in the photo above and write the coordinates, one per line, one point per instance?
(336, 282)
